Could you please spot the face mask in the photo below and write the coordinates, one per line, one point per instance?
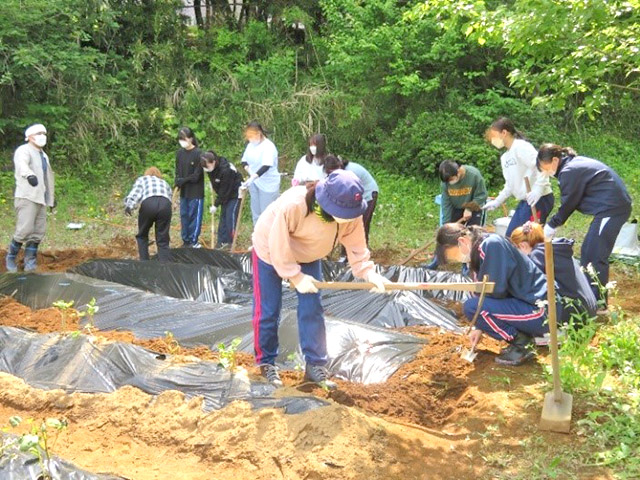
(40, 139)
(342, 220)
(464, 257)
(255, 143)
(209, 169)
(453, 181)
(313, 149)
(497, 142)
(183, 143)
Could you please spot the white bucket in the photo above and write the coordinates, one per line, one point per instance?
(501, 224)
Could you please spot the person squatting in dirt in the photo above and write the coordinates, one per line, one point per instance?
(189, 178)
(225, 181)
(289, 241)
(515, 312)
(592, 188)
(518, 162)
(260, 160)
(576, 297)
(153, 195)
(34, 193)
(310, 167)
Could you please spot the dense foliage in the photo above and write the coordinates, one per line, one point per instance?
(403, 84)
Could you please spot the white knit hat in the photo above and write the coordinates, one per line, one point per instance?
(35, 128)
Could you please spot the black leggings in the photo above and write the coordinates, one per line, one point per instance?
(154, 210)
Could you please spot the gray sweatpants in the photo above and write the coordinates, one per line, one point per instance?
(31, 221)
(260, 200)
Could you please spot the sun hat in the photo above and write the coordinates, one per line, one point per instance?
(341, 195)
(33, 129)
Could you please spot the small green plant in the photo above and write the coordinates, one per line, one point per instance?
(66, 311)
(293, 358)
(172, 344)
(92, 309)
(39, 441)
(228, 354)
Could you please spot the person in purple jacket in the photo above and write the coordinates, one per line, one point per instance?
(513, 312)
(592, 188)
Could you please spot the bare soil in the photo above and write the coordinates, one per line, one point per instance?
(438, 417)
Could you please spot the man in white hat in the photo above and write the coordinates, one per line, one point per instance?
(34, 193)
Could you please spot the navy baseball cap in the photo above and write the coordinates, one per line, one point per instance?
(341, 195)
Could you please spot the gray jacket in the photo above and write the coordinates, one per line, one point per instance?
(27, 162)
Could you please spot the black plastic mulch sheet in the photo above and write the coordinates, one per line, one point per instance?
(79, 364)
(359, 353)
(214, 284)
(204, 283)
(17, 465)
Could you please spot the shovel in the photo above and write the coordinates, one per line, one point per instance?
(236, 234)
(213, 221)
(556, 411)
(534, 211)
(470, 354)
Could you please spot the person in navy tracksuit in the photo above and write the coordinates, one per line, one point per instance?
(511, 313)
(576, 296)
(592, 188)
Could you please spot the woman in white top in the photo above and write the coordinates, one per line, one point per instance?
(518, 162)
(309, 167)
(260, 160)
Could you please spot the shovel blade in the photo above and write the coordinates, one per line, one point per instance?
(468, 355)
(556, 415)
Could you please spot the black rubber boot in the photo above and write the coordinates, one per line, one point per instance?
(12, 253)
(520, 350)
(30, 257)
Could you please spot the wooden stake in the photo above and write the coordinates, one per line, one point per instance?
(534, 211)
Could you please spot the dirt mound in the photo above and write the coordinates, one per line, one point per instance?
(138, 436)
(61, 260)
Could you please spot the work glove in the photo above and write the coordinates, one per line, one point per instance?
(246, 167)
(127, 211)
(379, 281)
(250, 180)
(474, 337)
(179, 182)
(212, 209)
(306, 285)
(549, 232)
(242, 191)
(33, 180)
(466, 215)
(533, 197)
(492, 205)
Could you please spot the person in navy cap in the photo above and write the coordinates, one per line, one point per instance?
(290, 238)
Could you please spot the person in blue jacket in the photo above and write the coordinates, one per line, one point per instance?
(576, 296)
(592, 188)
(514, 312)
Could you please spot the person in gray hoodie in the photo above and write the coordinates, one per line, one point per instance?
(34, 193)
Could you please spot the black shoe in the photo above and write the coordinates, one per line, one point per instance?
(185, 245)
(319, 374)
(270, 372)
(519, 351)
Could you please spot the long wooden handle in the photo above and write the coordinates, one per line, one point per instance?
(417, 251)
(551, 317)
(527, 184)
(477, 287)
(485, 282)
(237, 232)
(213, 221)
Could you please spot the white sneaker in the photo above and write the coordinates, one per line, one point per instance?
(546, 339)
(196, 245)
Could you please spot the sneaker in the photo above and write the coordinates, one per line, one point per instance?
(270, 372)
(546, 339)
(196, 245)
(320, 375)
(518, 351)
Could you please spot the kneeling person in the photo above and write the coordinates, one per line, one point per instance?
(512, 312)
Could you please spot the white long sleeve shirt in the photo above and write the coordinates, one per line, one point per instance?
(519, 162)
(308, 172)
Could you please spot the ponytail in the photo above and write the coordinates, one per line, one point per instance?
(548, 151)
(504, 123)
(448, 236)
